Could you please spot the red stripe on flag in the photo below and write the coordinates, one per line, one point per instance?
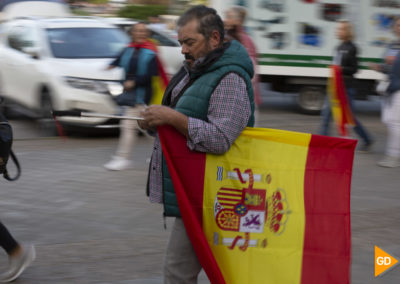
(180, 161)
(229, 194)
(230, 199)
(327, 243)
(341, 93)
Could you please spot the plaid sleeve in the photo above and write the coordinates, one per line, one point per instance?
(228, 114)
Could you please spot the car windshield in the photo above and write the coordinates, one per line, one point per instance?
(86, 42)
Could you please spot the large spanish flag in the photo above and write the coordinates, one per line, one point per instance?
(275, 208)
(341, 111)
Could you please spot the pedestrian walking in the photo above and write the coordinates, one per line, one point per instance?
(391, 117)
(210, 101)
(346, 57)
(391, 99)
(20, 256)
(235, 18)
(139, 61)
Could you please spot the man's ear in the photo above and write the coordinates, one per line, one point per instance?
(215, 39)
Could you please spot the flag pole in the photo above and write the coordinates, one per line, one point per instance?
(77, 113)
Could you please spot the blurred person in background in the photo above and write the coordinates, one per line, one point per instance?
(233, 23)
(139, 60)
(20, 257)
(210, 101)
(346, 57)
(391, 99)
(156, 23)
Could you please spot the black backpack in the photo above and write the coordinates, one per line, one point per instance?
(6, 139)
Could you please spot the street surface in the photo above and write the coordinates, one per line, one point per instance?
(90, 225)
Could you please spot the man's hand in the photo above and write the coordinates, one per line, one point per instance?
(157, 115)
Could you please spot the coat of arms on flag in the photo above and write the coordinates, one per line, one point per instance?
(247, 210)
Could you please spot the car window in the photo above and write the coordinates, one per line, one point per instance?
(86, 42)
(162, 39)
(20, 37)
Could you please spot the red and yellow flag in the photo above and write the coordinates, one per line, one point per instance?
(275, 208)
(341, 111)
(159, 84)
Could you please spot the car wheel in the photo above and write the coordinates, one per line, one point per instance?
(311, 99)
(46, 121)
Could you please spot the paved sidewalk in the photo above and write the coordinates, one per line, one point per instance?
(89, 225)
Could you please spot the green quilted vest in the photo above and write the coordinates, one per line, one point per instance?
(195, 99)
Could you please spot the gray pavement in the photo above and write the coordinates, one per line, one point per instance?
(94, 226)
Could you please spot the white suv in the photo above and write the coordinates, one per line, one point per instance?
(60, 64)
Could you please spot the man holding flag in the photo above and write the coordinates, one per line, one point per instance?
(209, 101)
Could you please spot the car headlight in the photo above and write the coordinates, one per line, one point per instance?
(114, 88)
(103, 87)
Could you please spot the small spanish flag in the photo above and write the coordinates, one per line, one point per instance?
(159, 83)
(275, 208)
(341, 111)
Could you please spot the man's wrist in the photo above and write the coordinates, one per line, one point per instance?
(179, 121)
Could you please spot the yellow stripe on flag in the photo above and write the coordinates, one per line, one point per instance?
(157, 90)
(253, 215)
(334, 100)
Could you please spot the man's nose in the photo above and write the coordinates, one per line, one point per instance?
(184, 49)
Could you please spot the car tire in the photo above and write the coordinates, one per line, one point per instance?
(46, 121)
(311, 99)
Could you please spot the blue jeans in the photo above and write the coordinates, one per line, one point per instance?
(327, 117)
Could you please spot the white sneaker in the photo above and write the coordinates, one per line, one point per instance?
(389, 162)
(18, 264)
(118, 164)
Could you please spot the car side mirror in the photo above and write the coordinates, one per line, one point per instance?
(33, 51)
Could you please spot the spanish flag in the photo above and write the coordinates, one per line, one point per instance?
(339, 102)
(275, 208)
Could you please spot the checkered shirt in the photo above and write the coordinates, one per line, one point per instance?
(228, 114)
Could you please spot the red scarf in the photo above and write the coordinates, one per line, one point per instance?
(148, 44)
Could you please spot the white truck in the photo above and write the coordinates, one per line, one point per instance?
(296, 40)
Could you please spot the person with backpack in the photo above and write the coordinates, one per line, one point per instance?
(20, 256)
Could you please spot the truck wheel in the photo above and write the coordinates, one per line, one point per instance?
(311, 99)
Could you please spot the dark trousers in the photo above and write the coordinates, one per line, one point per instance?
(7, 242)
